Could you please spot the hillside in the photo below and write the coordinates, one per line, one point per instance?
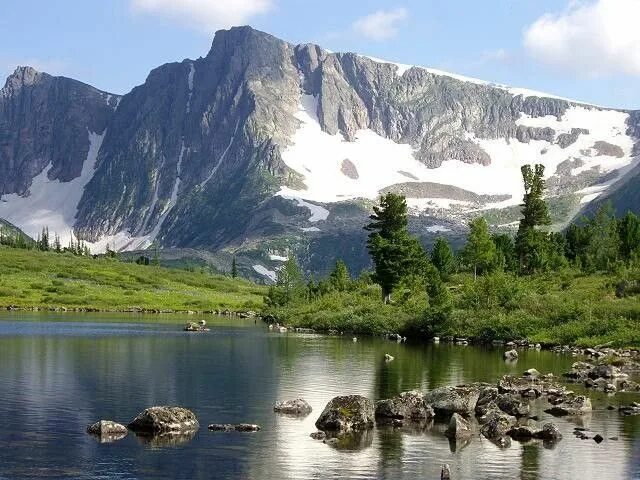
(31, 278)
(262, 149)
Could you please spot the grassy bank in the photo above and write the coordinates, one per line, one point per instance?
(567, 307)
(30, 278)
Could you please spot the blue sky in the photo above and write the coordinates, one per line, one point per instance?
(583, 49)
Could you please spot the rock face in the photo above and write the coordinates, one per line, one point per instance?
(449, 400)
(510, 355)
(221, 130)
(347, 413)
(298, 406)
(161, 420)
(406, 406)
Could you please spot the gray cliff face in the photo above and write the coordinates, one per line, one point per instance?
(193, 158)
(44, 121)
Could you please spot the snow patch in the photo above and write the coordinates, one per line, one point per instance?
(51, 203)
(438, 229)
(190, 75)
(278, 258)
(222, 157)
(265, 272)
(422, 204)
(310, 229)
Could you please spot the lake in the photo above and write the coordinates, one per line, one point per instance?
(61, 372)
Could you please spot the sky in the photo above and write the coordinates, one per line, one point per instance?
(587, 50)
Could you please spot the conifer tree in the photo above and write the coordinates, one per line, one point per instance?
(340, 279)
(442, 257)
(234, 268)
(479, 251)
(629, 234)
(532, 242)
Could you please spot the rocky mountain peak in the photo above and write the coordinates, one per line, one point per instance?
(21, 77)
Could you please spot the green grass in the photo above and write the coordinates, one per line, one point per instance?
(31, 278)
(568, 307)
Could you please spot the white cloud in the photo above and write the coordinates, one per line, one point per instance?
(207, 15)
(594, 38)
(380, 25)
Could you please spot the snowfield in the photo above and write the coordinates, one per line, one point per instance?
(51, 203)
(318, 157)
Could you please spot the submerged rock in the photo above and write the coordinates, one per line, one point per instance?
(406, 406)
(106, 427)
(319, 435)
(298, 406)
(156, 420)
(228, 427)
(510, 355)
(458, 427)
(449, 400)
(345, 413)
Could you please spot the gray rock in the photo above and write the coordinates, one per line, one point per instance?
(346, 413)
(532, 373)
(574, 405)
(512, 405)
(496, 424)
(298, 406)
(406, 406)
(550, 431)
(319, 435)
(510, 355)
(106, 427)
(157, 420)
(449, 400)
(445, 473)
(228, 427)
(459, 428)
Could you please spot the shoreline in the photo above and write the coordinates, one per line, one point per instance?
(139, 310)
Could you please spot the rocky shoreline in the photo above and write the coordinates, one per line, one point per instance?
(225, 312)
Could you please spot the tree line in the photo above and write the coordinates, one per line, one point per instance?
(44, 242)
(402, 266)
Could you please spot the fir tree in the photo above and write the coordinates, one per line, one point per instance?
(340, 279)
(532, 242)
(442, 257)
(629, 235)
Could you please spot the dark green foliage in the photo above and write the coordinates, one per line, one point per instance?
(603, 241)
(505, 258)
(629, 235)
(395, 253)
(234, 268)
(531, 241)
(442, 257)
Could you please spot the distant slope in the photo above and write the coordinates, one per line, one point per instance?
(7, 228)
(59, 280)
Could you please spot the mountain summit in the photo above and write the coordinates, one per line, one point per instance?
(263, 147)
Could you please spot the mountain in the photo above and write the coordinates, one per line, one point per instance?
(262, 148)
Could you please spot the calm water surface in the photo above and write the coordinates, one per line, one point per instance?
(58, 374)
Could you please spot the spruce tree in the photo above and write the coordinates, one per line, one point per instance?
(394, 252)
(442, 257)
(234, 268)
(604, 243)
(532, 243)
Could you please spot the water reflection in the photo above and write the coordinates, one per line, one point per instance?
(57, 377)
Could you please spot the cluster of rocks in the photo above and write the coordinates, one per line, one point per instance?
(604, 375)
(499, 412)
(151, 422)
(161, 426)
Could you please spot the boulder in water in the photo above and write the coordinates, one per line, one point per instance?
(297, 406)
(346, 413)
(449, 400)
(458, 427)
(406, 406)
(156, 420)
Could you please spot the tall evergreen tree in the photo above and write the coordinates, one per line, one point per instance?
(394, 252)
(234, 268)
(479, 251)
(532, 243)
(505, 252)
(442, 257)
